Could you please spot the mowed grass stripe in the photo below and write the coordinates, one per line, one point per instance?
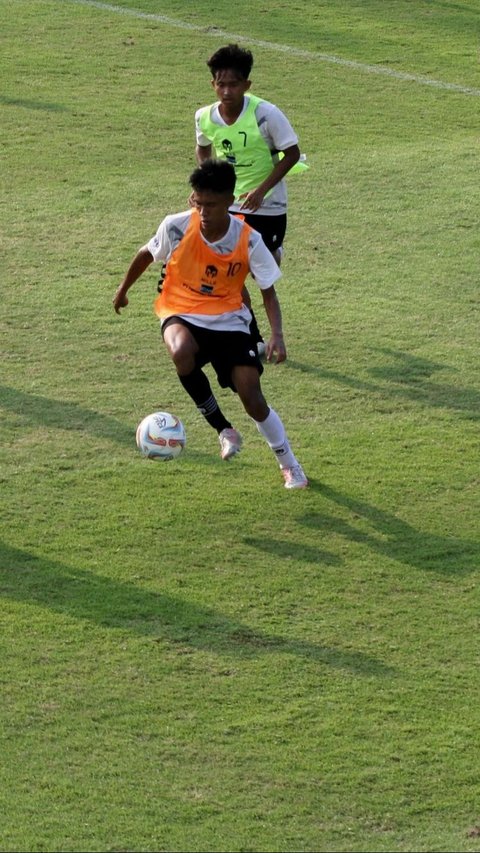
(317, 56)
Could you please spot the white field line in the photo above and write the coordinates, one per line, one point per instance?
(282, 48)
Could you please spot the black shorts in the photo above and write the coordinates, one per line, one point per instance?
(272, 228)
(223, 350)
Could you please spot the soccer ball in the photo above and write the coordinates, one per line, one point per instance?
(161, 436)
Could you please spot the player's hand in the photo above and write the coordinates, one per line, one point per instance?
(251, 200)
(120, 300)
(275, 350)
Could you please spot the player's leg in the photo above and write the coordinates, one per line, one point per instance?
(247, 384)
(181, 345)
(184, 347)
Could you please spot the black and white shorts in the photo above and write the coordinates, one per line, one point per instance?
(272, 228)
(223, 350)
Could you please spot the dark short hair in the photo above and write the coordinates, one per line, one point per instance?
(218, 176)
(232, 56)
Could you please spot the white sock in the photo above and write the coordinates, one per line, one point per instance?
(274, 433)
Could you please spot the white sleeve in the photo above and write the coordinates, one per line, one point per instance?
(159, 245)
(202, 140)
(275, 126)
(263, 265)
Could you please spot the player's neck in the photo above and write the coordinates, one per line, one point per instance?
(212, 233)
(230, 112)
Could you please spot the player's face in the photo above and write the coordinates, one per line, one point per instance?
(230, 88)
(213, 209)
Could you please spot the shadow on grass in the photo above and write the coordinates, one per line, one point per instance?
(29, 104)
(408, 377)
(392, 537)
(62, 414)
(283, 549)
(81, 594)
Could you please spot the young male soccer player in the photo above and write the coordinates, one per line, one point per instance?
(257, 139)
(208, 254)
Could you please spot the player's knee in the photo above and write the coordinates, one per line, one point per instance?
(182, 355)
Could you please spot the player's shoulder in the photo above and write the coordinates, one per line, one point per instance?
(268, 108)
(177, 223)
(205, 110)
(177, 217)
(238, 226)
(254, 238)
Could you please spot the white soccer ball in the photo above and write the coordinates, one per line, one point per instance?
(161, 436)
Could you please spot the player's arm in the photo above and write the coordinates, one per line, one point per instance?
(265, 272)
(253, 199)
(203, 152)
(276, 344)
(203, 146)
(139, 264)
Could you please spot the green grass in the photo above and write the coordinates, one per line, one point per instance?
(193, 658)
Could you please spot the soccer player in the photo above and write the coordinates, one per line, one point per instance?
(257, 139)
(208, 254)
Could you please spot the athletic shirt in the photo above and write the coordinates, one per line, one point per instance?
(203, 281)
(200, 281)
(260, 130)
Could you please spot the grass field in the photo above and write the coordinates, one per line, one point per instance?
(193, 658)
